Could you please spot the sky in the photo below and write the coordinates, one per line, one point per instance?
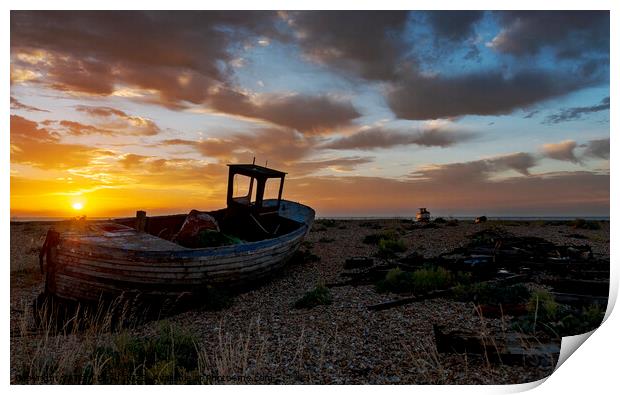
(370, 113)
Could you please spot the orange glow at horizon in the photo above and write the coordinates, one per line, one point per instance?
(57, 198)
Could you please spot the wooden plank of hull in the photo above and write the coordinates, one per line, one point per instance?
(148, 263)
(223, 276)
(80, 287)
(88, 270)
(95, 270)
(173, 267)
(108, 271)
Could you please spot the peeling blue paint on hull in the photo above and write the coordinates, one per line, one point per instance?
(88, 266)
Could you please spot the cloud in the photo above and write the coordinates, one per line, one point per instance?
(563, 151)
(175, 59)
(570, 34)
(597, 149)
(120, 122)
(520, 162)
(40, 147)
(178, 56)
(345, 164)
(379, 137)
(23, 129)
(17, 105)
(453, 25)
(369, 44)
(307, 114)
(574, 113)
(276, 145)
(422, 97)
(478, 170)
(79, 129)
(132, 160)
(187, 59)
(284, 149)
(109, 122)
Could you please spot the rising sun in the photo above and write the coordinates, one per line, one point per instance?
(77, 206)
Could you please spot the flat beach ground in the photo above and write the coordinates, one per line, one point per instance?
(262, 337)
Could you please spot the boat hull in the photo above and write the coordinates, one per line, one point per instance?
(90, 268)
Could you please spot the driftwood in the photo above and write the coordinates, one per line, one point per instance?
(406, 300)
(509, 348)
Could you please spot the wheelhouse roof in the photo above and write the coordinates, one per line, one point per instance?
(256, 171)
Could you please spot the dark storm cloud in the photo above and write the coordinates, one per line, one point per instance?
(178, 54)
(574, 113)
(180, 59)
(183, 57)
(422, 97)
(454, 25)
(378, 137)
(570, 34)
(369, 44)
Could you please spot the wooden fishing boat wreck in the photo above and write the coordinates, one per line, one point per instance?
(181, 255)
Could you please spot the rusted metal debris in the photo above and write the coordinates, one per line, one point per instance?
(502, 258)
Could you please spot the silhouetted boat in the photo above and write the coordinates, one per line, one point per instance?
(146, 256)
(423, 215)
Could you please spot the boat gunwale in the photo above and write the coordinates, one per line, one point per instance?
(188, 253)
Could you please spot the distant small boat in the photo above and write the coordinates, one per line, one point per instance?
(162, 256)
(423, 215)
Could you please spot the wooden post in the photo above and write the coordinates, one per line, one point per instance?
(280, 191)
(260, 192)
(140, 221)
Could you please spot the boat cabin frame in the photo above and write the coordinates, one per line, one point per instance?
(260, 175)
